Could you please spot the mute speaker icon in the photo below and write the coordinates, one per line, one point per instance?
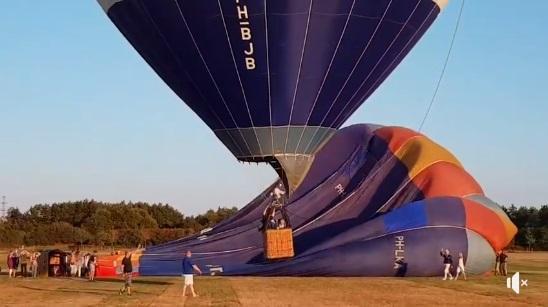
(514, 282)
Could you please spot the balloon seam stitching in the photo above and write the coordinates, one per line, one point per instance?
(268, 74)
(414, 228)
(354, 68)
(282, 126)
(344, 165)
(378, 61)
(212, 253)
(368, 178)
(178, 61)
(238, 75)
(326, 75)
(388, 68)
(209, 71)
(410, 180)
(299, 72)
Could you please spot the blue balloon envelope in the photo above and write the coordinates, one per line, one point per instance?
(273, 79)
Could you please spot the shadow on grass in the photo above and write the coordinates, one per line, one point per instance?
(101, 280)
(137, 281)
(87, 291)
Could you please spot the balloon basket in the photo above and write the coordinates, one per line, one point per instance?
(278, 244)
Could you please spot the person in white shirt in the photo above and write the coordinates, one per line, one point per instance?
(79, 261)
(460, 267)
(279, 193)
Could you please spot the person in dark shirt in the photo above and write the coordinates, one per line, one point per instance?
(24, 258)
(401, 268)
(272, 224)
(447, 263)
(503, 263)
(188, 273)
(497, 263)
(11, 264)
(127, 270)
(268, 214)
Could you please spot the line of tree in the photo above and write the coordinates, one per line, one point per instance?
(99, 223)
(130, 224)
(532, 224)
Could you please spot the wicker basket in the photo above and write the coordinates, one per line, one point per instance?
(278, 243)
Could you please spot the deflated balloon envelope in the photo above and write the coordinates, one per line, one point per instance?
(404, 198)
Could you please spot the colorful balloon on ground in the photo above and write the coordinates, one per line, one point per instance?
(373, 196)
(275, 80)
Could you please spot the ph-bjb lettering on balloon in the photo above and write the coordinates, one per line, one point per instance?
(245, 34)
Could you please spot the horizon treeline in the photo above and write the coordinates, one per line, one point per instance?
(532, 224)
(130, 224)
(103, 224)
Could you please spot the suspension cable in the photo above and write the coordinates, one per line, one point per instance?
(444, 67)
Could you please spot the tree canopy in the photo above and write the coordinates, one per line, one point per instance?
(130, 224)
(93, 222)
(532, 224)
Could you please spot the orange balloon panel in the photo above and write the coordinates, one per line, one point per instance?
(456, 181)
(487, 223)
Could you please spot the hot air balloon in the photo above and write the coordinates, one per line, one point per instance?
(273, 79)
(403, 197)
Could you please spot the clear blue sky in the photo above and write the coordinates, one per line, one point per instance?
(83, 116)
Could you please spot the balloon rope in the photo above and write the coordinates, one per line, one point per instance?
(444, 67)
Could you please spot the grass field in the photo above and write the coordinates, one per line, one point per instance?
(255, 291)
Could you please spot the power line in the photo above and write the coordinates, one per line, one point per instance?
(444, 66)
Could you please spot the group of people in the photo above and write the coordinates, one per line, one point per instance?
(73, 264)
(501, 264)
(187, 265)
(19, 259)
(80, 264)
(276, 224)
(448, 267)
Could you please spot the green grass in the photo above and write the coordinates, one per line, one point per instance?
(288, 291)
